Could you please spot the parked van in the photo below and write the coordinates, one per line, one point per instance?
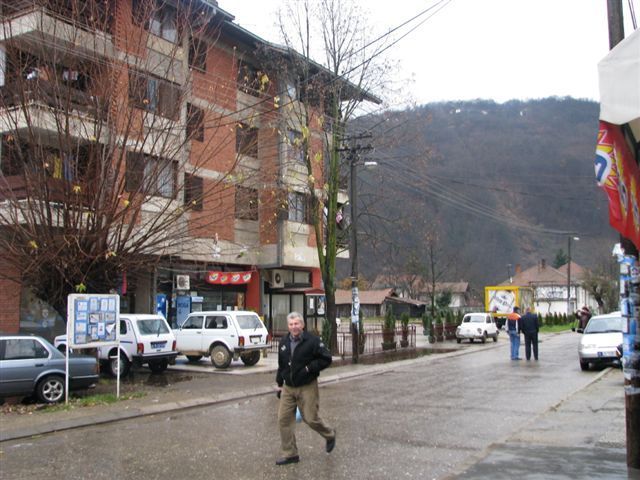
(145, 339)
(223, 336)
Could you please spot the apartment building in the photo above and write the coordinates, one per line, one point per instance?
(156, 149)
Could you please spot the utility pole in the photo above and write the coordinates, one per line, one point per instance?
(353, 157)
(632, 372)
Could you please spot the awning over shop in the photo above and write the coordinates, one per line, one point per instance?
(619, 75)
(616, 165)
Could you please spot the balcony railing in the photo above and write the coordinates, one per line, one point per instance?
(54, 95)
(54, 191)
(89, 16)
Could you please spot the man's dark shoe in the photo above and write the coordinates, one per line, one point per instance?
(288, 460)
(331, 443)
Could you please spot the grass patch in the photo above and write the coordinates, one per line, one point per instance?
(92, 401)
(556, 328)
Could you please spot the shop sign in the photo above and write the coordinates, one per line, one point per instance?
(228, 278)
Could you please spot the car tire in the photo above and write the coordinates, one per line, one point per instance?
(50, 389)
(193, 358)
(250, 358)
(158, 366)
(495, 337)
(459, 340)
(220, 356)
(484, 337)
(584, 366)
(471, 340)
(125, 365)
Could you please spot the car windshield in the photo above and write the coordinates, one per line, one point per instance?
(604, 325)
(473, 319)
(152, 326)
(249, 321)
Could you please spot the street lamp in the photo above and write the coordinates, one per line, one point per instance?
(569, 238)
(355, 297)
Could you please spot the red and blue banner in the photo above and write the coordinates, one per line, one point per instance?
(618, 174)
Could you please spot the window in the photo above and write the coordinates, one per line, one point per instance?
(246, 203)
(218, 322)
(123, 327)
(152, 326)
(246, 140)
(150, 175)
(193, 191)
(158, 18)
(154, 95)
(198, 53)
(24, 348)
(298, 211)
(295, 143)
(252, 81)
(193, 323)
(195, 123)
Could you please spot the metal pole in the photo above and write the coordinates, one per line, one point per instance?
(568, 276)
(355, 300)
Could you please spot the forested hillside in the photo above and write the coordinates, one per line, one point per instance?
(476, 186)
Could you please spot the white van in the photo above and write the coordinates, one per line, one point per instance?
(145, 339)
(223, 336)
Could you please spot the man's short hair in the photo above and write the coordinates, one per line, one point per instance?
(516, 309)
(293, 315)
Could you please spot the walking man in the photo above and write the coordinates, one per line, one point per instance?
(301, 357)
(513, 330)
(529, 325)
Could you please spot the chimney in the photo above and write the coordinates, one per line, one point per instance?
(518, 268)
(543, 264)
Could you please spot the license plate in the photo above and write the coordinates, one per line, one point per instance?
(605, 354)
(158, 344)
(255, 338)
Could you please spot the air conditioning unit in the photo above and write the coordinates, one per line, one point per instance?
(183, 282)
(277, 279)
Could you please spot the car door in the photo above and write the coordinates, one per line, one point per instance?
(22, 361)
(219, 327)
(490, 325)
(189, 336)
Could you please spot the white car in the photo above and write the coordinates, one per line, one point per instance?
(145, 339)
(223, 336)
(600, 340)
(477, 326)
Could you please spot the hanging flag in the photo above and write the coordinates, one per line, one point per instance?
(617, 173)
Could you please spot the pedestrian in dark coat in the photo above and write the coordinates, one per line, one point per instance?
(529, 326)
(301, 357)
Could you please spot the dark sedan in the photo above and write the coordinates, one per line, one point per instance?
(31, 365)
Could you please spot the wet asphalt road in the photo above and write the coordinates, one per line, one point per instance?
(425, 420)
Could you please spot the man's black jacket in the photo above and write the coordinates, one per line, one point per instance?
(529, 323)
(301, 368)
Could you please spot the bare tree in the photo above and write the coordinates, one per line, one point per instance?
(327, 93)
(113, 142)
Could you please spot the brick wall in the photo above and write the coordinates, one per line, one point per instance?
(10, 290)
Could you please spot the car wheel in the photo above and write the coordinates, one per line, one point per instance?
(484, 337)
(50, 389)
(158, 366)
(194, 358)
(220, 356)
(124, 365)
(250, 358)
(584, 365)
(471, 340)
(459, 340)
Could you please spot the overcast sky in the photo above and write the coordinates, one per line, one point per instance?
(494, 49)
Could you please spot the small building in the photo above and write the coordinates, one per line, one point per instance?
(416, 287)
(375, 303)
(550, 287)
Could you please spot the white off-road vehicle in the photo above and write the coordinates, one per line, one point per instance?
(223, 336)
(145, 339)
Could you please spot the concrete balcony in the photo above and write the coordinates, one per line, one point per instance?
(39, 30)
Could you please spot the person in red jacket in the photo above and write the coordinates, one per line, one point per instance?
(513, 329)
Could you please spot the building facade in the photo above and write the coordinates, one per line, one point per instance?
(180, 131)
